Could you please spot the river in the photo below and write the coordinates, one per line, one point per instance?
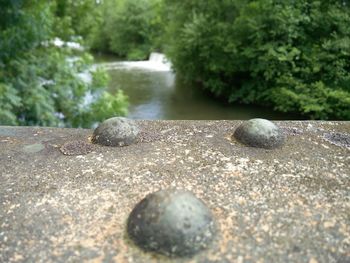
(155, 93)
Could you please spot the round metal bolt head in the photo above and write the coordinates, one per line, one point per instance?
(259, 133)
(172, 222)
(116, 131)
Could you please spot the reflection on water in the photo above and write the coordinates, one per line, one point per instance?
(159, 95)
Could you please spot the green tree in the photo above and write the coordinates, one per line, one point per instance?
(77, 18)
(129, 28)
(293, 55)
(41, 84)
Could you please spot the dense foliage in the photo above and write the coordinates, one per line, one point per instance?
(128, 28)
(41, 84)
(77, 19)
(293, 55)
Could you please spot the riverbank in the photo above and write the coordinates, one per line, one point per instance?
(156, 93)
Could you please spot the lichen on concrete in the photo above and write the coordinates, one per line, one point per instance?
(284, 205)
(77, 147)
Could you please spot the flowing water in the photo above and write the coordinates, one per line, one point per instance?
(155, 93)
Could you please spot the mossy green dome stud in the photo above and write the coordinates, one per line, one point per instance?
(259, 133)
(171, 222)
(116, 131)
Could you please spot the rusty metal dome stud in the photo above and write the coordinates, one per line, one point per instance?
(259, 133)
(116, 131)
(171, 222)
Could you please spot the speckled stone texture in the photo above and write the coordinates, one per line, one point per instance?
(117, 131)
(290, 204)
(76, 148)
(259, 133)
(172, 222)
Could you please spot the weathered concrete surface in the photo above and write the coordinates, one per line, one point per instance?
(285, 205)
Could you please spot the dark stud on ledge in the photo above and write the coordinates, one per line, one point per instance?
(259, 133)
(116, 131)
(172, 222)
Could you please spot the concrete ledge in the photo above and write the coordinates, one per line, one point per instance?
(286, 205)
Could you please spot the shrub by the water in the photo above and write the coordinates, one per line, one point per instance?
(293, 55)
(128, 28)
(41, 84)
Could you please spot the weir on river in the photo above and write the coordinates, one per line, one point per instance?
(156, 62)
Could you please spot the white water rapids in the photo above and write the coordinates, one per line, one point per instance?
(156, 62)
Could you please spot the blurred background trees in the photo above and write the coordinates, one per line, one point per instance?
(131, 29)
(40, 83)
(293, 55)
